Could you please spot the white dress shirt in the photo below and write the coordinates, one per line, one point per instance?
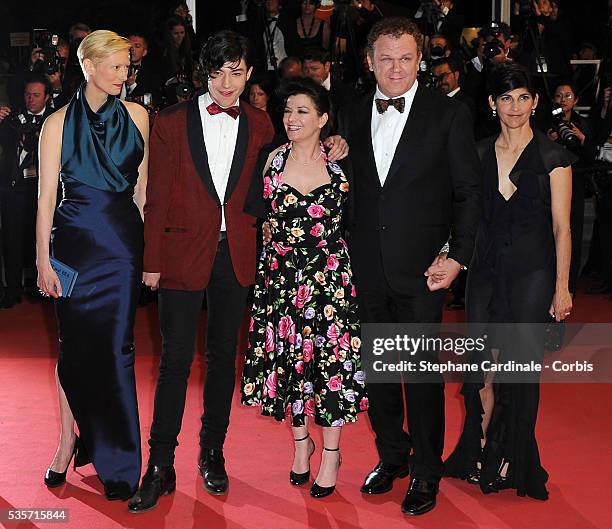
(387, 129)
(278, 43)
(220, 135)
(455, 91)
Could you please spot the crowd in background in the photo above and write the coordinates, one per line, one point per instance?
(294, 38)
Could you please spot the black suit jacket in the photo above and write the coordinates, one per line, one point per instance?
(10, 173)
(432, 192)
(148, 81)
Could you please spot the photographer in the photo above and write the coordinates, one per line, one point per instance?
(272, 29)
(570, 129)
(547, 38)
(143, 78)
(19, 132)
(440, 17)
(493, 47)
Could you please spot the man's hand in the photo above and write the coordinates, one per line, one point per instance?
(267, 233)
(36, 55)
(132, 78)
(151, 279)
(55, 80)
(338, 148)
(4, 113)
(442, 272)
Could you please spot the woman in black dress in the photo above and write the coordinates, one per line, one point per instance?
(312, 32)
(518, 274)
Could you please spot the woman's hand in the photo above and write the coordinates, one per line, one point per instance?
(561, 306)
(579, 134)
(48, 282)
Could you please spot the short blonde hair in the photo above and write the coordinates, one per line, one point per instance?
(101, 44)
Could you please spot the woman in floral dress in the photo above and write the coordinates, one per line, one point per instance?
(303, 359)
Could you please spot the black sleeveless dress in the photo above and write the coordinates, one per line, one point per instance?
(97, 230)
(511, 279)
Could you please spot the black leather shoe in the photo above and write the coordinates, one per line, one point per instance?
(420, 498)
(212, 469)
(381, 478)
(157, 481)
(115, 491)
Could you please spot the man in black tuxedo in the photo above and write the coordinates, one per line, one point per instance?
(317, 66)
(19, 183)
(415, 186)
(143, 78)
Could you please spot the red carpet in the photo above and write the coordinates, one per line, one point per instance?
(574, 432)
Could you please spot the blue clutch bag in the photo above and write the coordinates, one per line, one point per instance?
(66, 275)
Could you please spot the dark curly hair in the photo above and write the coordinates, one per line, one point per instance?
(221, 47)
(396, 27)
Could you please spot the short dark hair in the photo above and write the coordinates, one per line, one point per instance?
(317, 93)
(452, 63)
(221, 47)
(288, 61)
(317, 54)
(265, 82)
(396, 27)
(508, 76)
(567, 82)
(37, 78)
(139, 35)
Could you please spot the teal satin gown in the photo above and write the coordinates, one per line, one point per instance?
(97, 230)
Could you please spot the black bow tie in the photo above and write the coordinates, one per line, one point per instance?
(272, 19)
(383, 104)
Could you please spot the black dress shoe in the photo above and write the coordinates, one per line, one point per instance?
(420, 498)
(381, 478)
(212, 469)
(118, 490)
(157, 481)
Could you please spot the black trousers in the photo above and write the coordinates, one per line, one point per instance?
(18, 207)
(424, 408)
(179, 312)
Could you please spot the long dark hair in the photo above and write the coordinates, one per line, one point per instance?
(179, 59)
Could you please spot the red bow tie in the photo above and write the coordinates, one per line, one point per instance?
(214, 109)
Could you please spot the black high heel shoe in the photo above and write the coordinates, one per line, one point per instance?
(299, 479)
(317, 491)
(55, 479)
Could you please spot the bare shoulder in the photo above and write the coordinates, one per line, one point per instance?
(55, 121)
(137, 112)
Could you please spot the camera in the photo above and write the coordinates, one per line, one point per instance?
(564, 128)
(48, 43)
(25, 129)
(493, 48)
(426, 76)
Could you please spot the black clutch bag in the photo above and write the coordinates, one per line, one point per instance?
(554, 334)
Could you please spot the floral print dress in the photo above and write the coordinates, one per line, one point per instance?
(304, 347)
